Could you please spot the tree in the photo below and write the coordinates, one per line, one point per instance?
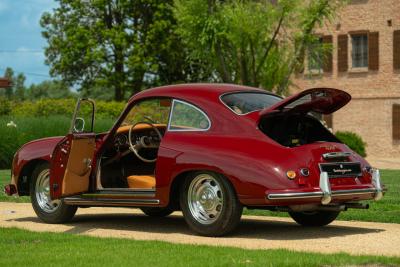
(119, 45)
(49, 89)
(256, 43)
(19, 87)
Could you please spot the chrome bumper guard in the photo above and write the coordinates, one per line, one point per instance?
(326, 193)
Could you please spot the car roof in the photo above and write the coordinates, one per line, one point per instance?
(195, 92)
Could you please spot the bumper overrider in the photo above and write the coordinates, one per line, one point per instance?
(326, 194)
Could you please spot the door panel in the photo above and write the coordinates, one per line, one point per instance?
(71, 165)
(58, 164)
(77, 173)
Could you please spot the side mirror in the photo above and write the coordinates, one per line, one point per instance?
(79, 125)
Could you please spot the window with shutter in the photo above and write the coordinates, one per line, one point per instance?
(359, 50)
(319, 55)
(327, 65)
(396, 122)
(342, 53)
(373, 51)
(396, 50)
(315, 56)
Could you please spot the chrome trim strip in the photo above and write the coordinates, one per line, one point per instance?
(108, 202)
(125, 193)
(318, 194)
(187, 130)
(332, 155)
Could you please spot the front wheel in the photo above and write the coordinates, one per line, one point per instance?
(209, 204)
(49, 211)
(314, 218)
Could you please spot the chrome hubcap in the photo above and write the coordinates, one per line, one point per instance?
(205, 199)
(42, 193)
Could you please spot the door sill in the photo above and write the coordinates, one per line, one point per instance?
(128, 192)
(105, 202)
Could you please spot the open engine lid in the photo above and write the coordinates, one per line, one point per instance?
(321, 100)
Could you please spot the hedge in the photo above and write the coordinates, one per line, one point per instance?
(353, 141)
(51, 107)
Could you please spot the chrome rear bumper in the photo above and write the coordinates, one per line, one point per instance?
(325, 193)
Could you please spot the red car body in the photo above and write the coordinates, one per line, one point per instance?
(234, 146)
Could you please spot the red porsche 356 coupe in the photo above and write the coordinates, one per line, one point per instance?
(205, 149)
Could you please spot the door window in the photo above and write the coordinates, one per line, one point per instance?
(83, 119)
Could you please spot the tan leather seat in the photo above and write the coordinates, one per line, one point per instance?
(141, 181)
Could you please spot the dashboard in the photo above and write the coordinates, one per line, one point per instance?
(148, 137)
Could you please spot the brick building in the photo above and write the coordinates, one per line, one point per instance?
(365, 62)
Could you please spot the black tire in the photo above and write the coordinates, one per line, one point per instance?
(63, 213)
(314, 218)
(157, 212)
(230, 211)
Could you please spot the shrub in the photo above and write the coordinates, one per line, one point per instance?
(5, 106)
(353, 141)
(64, 107)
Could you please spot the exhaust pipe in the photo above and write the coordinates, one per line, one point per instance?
(357, 206)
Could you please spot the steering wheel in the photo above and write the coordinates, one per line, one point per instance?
(143, 142)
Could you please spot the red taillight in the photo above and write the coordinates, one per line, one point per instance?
(10, 190)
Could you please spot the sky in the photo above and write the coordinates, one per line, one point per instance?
(21, 42)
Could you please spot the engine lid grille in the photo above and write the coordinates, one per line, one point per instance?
(341, 169)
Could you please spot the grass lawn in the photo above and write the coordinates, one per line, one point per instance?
(385, 210)
(25, 248)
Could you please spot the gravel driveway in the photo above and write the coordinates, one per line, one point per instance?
(253, 233)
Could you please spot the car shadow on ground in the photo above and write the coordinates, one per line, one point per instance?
(248, 228)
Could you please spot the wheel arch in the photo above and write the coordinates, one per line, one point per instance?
(174, 190)
(25, 176)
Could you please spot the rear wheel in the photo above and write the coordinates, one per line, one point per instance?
(209, 204)
(157, 212)
(314, 218)
(49, 211)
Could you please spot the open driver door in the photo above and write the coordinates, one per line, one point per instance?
(71, 161)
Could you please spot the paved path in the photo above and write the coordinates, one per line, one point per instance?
(253, 233)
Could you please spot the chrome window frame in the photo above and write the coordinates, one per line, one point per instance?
(187, 130)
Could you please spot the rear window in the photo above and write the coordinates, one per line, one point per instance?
(243, 103)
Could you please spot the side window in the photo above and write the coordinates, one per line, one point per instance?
(186, 117)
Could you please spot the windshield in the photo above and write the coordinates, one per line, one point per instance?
(243, 102)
